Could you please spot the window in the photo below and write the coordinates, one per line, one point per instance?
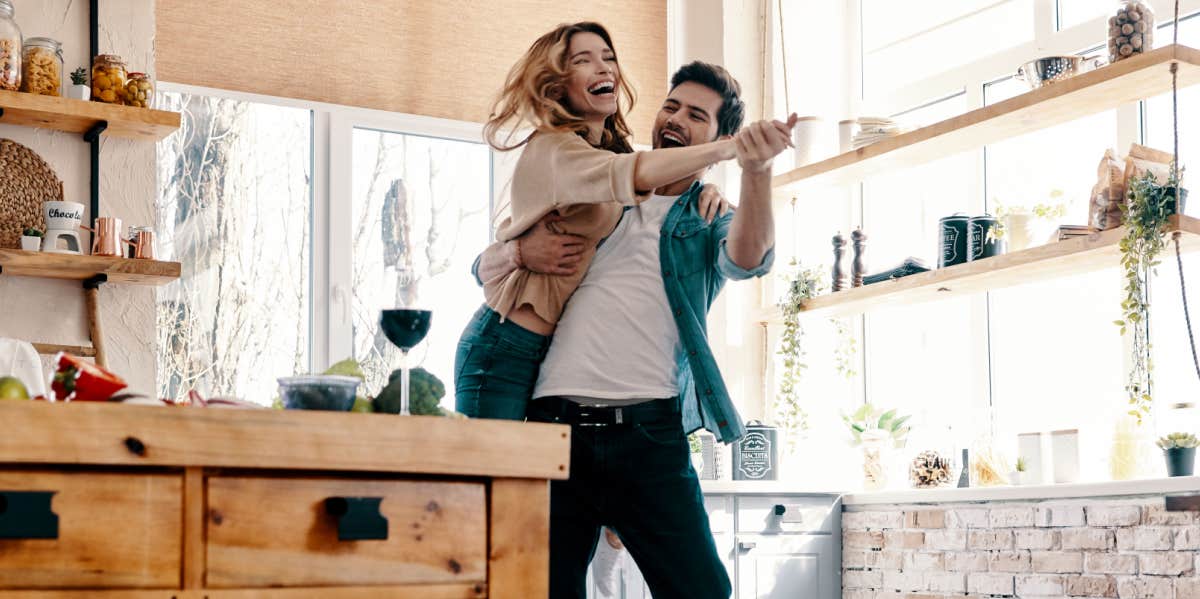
(234, 206)
(296, 223)
(422, 212)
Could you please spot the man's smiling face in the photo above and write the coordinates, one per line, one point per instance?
(688, 116)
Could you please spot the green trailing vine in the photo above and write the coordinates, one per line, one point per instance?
(1146, 213)
(789, 415)
(844, 354)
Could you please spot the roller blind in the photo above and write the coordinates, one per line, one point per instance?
(440, 58)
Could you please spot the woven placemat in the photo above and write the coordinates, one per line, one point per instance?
(25, 182)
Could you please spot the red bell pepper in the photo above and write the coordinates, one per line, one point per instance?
(77, 380)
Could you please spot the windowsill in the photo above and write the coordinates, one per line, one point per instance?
(1128, 488)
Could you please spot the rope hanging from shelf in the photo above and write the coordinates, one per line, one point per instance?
(1187, 317)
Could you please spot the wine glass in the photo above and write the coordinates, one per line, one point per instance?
(405, 328)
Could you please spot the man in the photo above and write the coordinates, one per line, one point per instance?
(629, 366)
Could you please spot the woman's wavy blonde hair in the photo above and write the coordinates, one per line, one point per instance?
(535, 94)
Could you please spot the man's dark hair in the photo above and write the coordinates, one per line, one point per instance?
(716, 78)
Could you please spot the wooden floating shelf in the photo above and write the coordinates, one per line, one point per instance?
(49, 349)
(80, 268)
(1053, 260)
(1106, 88)
(79, 116)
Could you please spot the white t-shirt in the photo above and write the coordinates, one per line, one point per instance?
(617, 341)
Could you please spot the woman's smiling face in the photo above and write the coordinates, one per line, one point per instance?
(593, 77)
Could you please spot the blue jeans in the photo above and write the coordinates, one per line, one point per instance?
(496, 367)
(638, 480)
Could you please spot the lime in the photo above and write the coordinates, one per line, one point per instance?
(362, 404)
(12, 388)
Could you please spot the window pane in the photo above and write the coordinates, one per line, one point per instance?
(1056, 355)
(1074, 12)
(924, 54)
(234, 207)
(421, 214)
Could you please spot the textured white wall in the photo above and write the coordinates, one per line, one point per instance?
(51, 311)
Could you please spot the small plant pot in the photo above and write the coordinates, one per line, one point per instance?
(30, 243)
(1180, 461)
(1017, 477)
(78, 92)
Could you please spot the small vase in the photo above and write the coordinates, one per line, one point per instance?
(1180, 461)
(78, 92)
(874, 471)
(30, 243)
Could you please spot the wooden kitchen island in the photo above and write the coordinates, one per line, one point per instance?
(109, 500)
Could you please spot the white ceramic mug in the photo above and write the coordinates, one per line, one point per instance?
(847, 129)
(806, 136)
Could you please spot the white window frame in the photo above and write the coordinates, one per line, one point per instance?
(332, 257)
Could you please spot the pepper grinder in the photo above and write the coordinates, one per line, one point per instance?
(964, 479)
(858, 268)
(839, 270)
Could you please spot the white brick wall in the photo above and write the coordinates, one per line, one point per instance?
(1115, 549)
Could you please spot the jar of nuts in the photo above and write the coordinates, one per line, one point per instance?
(43, 67)
(1131, 30)
(139, 91)
(10, 49)
(108, 79)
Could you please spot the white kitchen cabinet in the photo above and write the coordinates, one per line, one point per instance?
(777, 546)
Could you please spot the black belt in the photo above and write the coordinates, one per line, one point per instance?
(565, 411)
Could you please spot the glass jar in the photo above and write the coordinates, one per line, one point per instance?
(1131, 30)
(10, 49)
(108, 79)
(139, 91)
(42, 68)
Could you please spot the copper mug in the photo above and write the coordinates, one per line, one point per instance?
(142, 242)
(106, 237)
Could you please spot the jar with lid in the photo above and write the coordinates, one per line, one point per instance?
(42, 69)
(139, 91)
(108, 79)
(10, 49)
(1131, 30)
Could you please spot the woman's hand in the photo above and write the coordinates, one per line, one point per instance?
(712, 203)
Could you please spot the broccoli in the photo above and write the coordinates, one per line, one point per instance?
(425, 391)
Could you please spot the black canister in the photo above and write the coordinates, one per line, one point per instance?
(756, 455)
(955, 240)
(983, 241)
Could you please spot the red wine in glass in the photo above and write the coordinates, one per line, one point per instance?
(405, 328)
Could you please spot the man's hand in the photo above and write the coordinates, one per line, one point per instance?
(712, 203)
(761, 141)
(544, 251)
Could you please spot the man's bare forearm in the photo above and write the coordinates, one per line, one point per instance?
(752, 231)
(497, 260)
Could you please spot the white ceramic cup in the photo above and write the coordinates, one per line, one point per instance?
(846, 132)
(806, 136)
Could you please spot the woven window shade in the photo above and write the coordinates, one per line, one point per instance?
(440, 58)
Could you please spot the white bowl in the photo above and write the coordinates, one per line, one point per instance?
(63, 216)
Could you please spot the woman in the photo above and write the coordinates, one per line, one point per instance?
(578, 163)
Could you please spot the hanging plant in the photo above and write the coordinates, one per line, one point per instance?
(1146, 213)
(803, 285)
(844, 355)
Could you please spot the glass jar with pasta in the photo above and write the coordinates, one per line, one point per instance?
(109, 78)
(10, 49)
(42, 68)
(139, 91)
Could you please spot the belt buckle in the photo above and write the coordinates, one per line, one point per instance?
(586, 412)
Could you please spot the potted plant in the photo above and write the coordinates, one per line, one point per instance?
(1023, 227)
(79, 90)
(1018, 476)
(31, 239)
(789, 416)
(1145, 215)
(1180, 451)
(876, 431)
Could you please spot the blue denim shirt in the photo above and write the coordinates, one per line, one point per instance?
(695, 265)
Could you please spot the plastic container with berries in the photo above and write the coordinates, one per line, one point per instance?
(10, 49)
(109, 78)
(1131, 30)
(42, 69)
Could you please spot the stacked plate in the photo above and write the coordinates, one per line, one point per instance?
(873, 129)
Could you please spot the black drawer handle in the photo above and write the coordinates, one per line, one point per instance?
(358, 518)
(27, 515)
(780, 509)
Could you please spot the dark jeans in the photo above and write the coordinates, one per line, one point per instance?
(638, 480)
(496, 367)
